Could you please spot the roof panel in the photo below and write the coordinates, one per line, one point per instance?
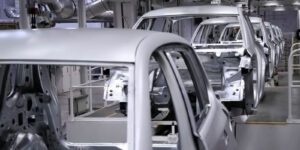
(221, 20)
(80, 45)
(216, 10)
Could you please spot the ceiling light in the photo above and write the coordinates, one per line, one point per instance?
(296, 3)
(271, 3)
(279, 8)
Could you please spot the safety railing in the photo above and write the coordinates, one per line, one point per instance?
(293, 82)
(294, 45)
(93, 82)
(98, 77)
(89, 86)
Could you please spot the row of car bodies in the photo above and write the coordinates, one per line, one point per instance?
(276, 37)
(235, 68)
(151, 71)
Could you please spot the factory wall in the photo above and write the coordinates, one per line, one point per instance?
(286, 20)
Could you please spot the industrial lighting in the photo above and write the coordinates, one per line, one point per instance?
(296, 3)
(271, 3)
(279, 8)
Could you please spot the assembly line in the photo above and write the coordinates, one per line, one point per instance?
(186, 77)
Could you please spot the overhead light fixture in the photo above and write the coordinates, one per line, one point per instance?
(215, 2)
(296, 3)
(279, 8)
(271, 3)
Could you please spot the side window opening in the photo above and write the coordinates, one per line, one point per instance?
(59, 109)
(195, 95)
(188, 82)
(209, 34)
(189, 102)
(155, 24)
(231, 33)
(164, 122)
(258, 32)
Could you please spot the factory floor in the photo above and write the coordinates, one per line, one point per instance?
(268, 129)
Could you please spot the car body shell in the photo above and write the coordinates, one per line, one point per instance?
(249, 43)
(274, 40)
(233, 21)
(268, 45)
(279, 36)
(92, 47)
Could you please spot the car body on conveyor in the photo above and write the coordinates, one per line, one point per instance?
(170, 20)
(224, 54)
(261, 35)
(275, 40)
(151, 68)
(279, 36)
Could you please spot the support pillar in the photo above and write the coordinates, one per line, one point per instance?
(298, 19)
(130, 13)
(118, 15)
(24, 17)
(81, 12)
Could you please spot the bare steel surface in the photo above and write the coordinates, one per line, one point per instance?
(61, 45)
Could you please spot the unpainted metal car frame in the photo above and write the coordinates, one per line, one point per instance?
(253, 48)
(241, 76)
(26, 49)
(261, 37)
(269, 47)
(279, 36)
(275, 40)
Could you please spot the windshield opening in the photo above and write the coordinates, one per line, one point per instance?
(174, 24)
(258, 31)
(216, 34)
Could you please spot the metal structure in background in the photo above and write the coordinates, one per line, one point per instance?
(94, 81)
(298, 19)
(293, 81)
(98, 8)
(62, 8)
(81, 13)
(24, 17)
(67, 8)
(59, 11)
(173, 15)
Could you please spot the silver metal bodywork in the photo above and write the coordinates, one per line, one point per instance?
(274, 40)
(234, 89)
(254, 49)
(279, 36)
(266, 43)
(210, 55)
(217, 10)
(66, 47)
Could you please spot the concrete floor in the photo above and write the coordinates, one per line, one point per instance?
(268, 136)
(268, 129)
